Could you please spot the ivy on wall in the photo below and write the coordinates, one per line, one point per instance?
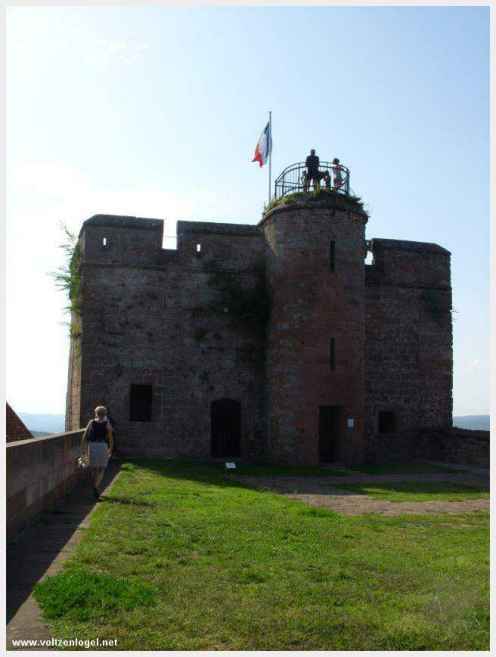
(248, 308)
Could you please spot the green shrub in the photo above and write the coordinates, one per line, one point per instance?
(67, 277)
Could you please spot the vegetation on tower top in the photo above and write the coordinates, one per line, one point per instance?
(320, 198)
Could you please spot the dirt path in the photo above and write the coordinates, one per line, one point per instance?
(324, 492)
(355, 505)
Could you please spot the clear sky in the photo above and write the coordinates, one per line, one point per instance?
(155, 112)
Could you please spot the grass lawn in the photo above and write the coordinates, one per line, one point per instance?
(412, 491)
(180, 557)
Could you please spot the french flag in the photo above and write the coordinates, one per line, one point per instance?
(264, 146)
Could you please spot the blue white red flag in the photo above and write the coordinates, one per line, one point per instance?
(264, 146)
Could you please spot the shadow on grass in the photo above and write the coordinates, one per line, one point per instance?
(209, 474)
(435, 490)
(290, 481)
(36, 548)
(418, 467)
(216, 472)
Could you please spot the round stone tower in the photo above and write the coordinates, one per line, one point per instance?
(316, 338)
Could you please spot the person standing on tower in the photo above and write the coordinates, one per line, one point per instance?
(312, 164)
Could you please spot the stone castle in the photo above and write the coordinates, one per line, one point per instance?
(272, 342)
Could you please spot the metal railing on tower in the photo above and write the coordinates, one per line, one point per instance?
(296, 178)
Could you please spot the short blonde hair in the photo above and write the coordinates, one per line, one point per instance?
(100, 411)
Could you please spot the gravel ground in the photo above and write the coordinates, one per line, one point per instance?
(324, 492)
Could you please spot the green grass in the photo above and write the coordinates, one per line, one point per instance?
(411, 491)
(405, 468)
(80, 594)
(231, 568)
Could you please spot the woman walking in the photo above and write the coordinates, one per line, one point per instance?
(98, 444)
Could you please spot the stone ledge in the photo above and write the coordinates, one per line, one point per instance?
(408, 245)
(214, 228)
(42, 439)
(122, 221)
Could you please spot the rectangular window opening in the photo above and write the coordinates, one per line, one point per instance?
(105, 243)
(332, 353)
(198, 249)
(332, 255)
(140, 403)
(386, 422)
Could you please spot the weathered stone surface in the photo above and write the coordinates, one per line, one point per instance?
(39, 472)
(450, 445)
(310, 305)
(409, 336)
(147, 318)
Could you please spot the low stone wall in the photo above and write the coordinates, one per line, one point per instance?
(454, 445)
(39, 472)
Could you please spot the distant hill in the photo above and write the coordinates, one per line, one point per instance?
(43, 423)
(480, 422)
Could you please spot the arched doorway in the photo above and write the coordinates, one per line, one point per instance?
(225, 416)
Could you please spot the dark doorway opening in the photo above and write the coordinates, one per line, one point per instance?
(225, 416)
(140, 403)
(330, 430)
(386, 422)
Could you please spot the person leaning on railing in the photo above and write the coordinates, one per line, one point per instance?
(337, 169)
(97, 443)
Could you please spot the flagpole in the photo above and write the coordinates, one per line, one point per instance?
(270, 156)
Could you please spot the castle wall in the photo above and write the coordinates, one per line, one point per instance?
(408, 335)
(73, 395)
(150, 322)
(346, 345)
(448, 445)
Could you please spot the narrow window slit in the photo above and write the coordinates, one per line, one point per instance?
(332, 353)
(332, 255)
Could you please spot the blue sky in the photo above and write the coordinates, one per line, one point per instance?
(155, 111)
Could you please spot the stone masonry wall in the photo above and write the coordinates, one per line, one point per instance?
(39, 472)
(312, 304)
(453, 445)
(157, 317)
(73, 397)
(409, 335)
(149, 321)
